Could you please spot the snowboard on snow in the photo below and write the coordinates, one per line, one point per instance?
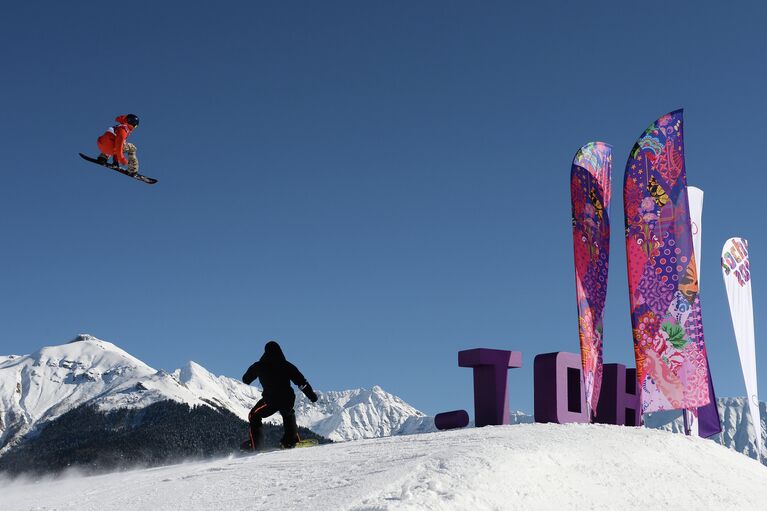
(308, 442)
(246, 448)
(139, 177)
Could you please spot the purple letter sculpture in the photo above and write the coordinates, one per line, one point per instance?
(558, 388)
(619, 401)
(491, 393)
(451, 420)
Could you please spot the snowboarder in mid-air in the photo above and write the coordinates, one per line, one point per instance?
(113, 144)
(275, 374)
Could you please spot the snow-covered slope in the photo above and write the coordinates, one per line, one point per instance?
(42, 386)
(530, 467)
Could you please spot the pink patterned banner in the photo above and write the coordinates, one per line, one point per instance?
(590, 182)
(663, 279)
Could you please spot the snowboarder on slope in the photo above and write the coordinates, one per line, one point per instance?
(276, 373)
(112, 143)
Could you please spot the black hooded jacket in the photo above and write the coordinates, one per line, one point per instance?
(275, 374)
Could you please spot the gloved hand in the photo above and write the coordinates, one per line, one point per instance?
(309, 392)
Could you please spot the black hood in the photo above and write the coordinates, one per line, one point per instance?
(272, 353)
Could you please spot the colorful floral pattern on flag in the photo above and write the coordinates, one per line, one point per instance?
(590, 182)
(663, 279)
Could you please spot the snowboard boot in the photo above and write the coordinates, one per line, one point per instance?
(288, 442)
(102, 159)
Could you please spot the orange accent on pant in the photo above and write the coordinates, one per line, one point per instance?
(250, 430)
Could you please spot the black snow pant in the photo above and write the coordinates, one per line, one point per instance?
(264, 409)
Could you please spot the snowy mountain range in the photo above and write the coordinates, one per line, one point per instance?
(38, 388)
(737, 433)
(42, 386)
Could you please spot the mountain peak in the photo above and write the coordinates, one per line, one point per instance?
(192, 370)
(85, 338)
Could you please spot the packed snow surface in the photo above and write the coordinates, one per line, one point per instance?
(527, 466)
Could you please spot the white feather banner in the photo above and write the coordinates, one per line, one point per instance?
(737, 279)
(695, 199)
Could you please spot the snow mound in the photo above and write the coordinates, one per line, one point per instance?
(529, 466)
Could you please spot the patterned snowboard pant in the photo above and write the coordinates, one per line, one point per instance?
(130, 151)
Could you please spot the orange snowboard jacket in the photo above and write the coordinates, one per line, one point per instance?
(112, 141)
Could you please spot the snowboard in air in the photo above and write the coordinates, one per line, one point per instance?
(145, 179)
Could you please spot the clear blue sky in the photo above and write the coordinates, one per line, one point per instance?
(376, 185)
